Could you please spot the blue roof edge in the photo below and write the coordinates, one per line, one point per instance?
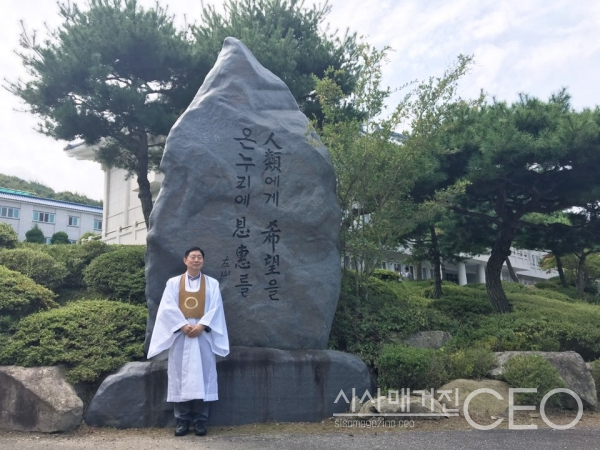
(99, 208)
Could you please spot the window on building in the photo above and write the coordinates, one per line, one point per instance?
(97, 224)
(73, 221)
(48, 240)
(10, 213)
(423, 273)
(39, 216)
(72, 241)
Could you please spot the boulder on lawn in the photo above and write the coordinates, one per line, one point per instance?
(570, 366)
(38, 399)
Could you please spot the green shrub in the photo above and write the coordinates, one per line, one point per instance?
(536, 324)
(533, 371)
(60, 237)
(401, 367)
(37, 265)
(386, 275)
(552, 294)
(595, 370)
(20, 296)
(470, 363)
(554, 285)
(385, 313)
(464, 304)
(8, 236)
(76, 258)
(91, 338)
(35, 235)
(119, 274)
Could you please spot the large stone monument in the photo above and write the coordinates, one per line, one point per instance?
(246, 180)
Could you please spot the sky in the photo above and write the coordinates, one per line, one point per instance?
(530, 46)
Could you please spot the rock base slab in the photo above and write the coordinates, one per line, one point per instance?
(255, 385)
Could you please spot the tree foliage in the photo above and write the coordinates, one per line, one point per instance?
(113, 75)
(377, 167)
(285, 37)
(117, 75)
(528, 157)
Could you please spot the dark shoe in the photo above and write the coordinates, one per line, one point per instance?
(200, 429)
(182, 427)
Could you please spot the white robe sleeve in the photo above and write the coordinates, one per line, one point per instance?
(214, 317)
(169, 319)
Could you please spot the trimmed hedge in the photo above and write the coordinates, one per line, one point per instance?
(119, 274)
(386, 275)
(466, 305)
(533, 371)
(91, 338)
(402, 367)
(20, 296)
(76, 258)
(37, 265)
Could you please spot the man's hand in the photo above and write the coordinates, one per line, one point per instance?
(186, 329)
(195, 331)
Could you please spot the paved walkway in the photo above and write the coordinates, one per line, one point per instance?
(542, 439)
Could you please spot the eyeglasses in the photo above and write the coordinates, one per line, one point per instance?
(195, 258)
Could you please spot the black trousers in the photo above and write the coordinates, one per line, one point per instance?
(193, 410)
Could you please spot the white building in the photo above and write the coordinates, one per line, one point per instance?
(525, 263)
(123, 218)
(23, 210)
(124, 224)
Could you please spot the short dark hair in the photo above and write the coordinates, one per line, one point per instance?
(194, 249)
(405, 267)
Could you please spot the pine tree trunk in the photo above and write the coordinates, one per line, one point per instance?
(561, 271)
(581, 280)
(436, 261)
(511, 271)
(145, 195)
(493, 272)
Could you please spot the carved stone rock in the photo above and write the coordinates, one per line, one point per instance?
(246, 180)
(38, 399)
(255, 385)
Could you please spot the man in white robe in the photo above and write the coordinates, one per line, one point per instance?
(193, 343)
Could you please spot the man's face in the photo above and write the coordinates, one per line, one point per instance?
(194, 261)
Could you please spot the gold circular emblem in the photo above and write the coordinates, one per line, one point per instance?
(190, 307)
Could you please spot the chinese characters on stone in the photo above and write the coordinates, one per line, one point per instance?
(247, 153)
